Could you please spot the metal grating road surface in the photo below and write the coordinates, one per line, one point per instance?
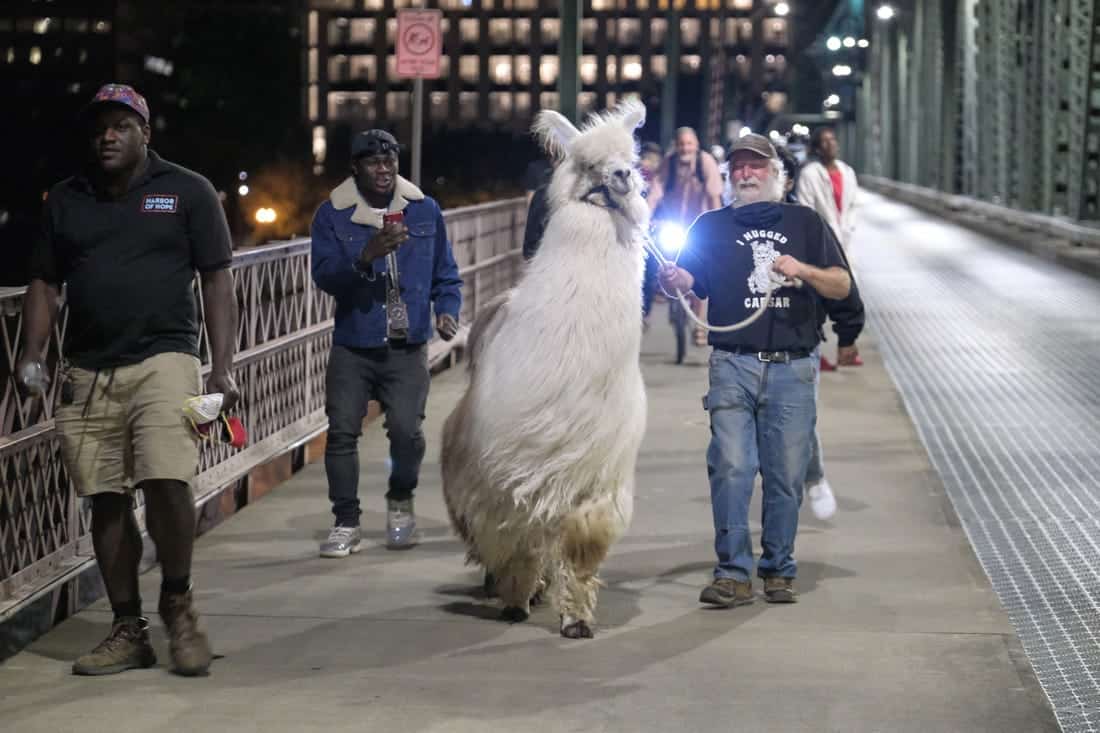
(997, 356)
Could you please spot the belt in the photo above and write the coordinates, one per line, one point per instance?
(781, 357)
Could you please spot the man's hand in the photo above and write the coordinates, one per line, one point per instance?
(223, 382)
(675, 279)
(790, 267)
(446, 325)
(388, 239)
(24, 367)
(847, 355)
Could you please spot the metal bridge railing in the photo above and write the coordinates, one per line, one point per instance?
(284, 334)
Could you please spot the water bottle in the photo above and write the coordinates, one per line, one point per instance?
(34, 378)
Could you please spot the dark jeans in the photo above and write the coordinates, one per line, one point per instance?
(398, 378)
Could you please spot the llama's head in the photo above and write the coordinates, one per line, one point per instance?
(598, 163)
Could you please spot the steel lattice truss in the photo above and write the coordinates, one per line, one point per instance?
(1022, 127)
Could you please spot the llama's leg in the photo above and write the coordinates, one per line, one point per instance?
(587, 535)
(516, 583)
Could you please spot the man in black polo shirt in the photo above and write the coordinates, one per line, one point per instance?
(126, 237)
(762, 399)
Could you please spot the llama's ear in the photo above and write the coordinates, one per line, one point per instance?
(633, 113)
(554, 131)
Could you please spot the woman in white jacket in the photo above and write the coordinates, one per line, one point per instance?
(828, 185)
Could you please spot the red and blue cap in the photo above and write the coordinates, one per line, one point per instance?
(119, 94)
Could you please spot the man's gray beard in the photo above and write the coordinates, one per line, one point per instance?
(770, 190)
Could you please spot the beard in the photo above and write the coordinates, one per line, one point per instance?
(757, 190)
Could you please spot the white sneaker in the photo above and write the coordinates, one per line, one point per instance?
(822, 501)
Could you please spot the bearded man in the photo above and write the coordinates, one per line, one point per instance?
(762, 398)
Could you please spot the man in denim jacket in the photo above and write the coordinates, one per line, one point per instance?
(381, 250)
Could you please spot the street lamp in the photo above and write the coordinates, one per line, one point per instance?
(745, 131)
(833, 44)
(849, 42)
(782, 9)
(842, 70)
(242, 190)
(832, 100)
(885, 12)
(265, 216)
(863, 43)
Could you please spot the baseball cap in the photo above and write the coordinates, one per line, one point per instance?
(754, 143)
(373, 142)
(122, 94)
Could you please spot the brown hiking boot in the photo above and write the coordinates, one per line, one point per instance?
(727, 592)
(190, 648)
(126, 647)
(780, 590)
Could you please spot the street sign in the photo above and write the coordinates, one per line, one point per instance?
(419, 43)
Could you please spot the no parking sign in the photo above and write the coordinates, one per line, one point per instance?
(419, 43)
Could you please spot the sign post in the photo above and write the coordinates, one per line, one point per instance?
(419, 47)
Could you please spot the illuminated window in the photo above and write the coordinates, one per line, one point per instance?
(523, 31)
(525, 4)
(522, 102)
(43, 26)
(363, 68)
(740, 4)
(632, 68)
(351, 106)
(373, 5)
(550, 29)
(548, 100)
(391, 67)
(588, 31)
(314, 104)
(467, 106)
(588, 69)
(659, 65)
(469, 69)
(500, 106)
(689, 31)
(391, 30)
(586, 102)
(657, 29)
(500, 68)
(630, 31)
(398, 105)
(454, 4)
(320, 145)
(548, 70)
(10, 55)
(642, 4)
(35, 55)
(612, 98)
(500, 31)
(332, 4)
(690, 63)
(354, 31)
(775, 31)
(312, 65)
(745, 31)
(522, 69)
(102, 26)
(467, 28)
(598, 5)
(313, 29)
(730, 30)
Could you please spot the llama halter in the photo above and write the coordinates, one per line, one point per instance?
(774, 283)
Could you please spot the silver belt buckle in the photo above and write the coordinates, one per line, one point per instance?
(768, 357)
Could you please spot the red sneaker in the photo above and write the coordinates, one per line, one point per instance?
(856, 361)
(826, 365)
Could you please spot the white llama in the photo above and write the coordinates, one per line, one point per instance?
(538, 456)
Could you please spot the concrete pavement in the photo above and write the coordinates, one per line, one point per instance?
(896, 630)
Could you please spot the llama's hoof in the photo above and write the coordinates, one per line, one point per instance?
(577, 630)
(489, 585)
(513, 614)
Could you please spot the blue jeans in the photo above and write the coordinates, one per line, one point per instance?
(399, 379)
(762, 418)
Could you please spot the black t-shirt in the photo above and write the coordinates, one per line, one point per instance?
(538, 173)
(730, 252)
(129, 265)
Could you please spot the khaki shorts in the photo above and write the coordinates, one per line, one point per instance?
(126, 425)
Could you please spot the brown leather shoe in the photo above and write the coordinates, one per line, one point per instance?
(126, 647)
(727, 592)
(779, 590)
(191, 655)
